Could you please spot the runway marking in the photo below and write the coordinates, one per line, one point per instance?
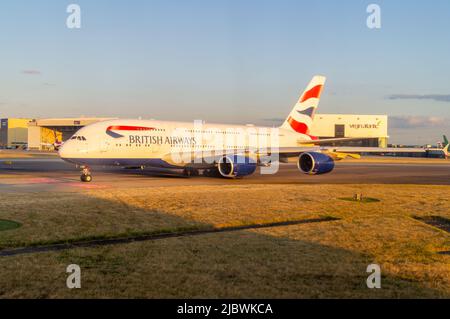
(151, 237)
(31, 181)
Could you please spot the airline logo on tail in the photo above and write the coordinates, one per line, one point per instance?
(301, 118)
(446, 147)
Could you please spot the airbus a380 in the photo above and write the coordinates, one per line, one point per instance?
(230, 151)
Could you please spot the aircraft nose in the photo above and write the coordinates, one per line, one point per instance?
(64, 151)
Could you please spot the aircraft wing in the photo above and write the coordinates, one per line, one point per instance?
(349, 149)
(336, 152)
(340, 152)
(329, 140)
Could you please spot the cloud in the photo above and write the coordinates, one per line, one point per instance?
(434, 97)
(31, 72)
(403, 122)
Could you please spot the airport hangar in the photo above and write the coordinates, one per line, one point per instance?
(44, 133)
(14, 132)
(373, 129)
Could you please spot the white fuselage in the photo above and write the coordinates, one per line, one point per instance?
(154, 143)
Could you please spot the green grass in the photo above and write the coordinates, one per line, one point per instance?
(435, 221)
(177, 231)
(8, 225)
(93, 238)
(364, 200)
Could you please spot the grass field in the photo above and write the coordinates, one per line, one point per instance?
(311, 260)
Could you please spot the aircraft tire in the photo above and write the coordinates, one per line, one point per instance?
(86, 178)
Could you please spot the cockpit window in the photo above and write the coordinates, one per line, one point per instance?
(79, 138)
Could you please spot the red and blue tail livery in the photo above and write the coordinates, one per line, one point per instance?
(302, 116)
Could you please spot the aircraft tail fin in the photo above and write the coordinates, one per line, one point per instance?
(445, 150)
(301, 117)
(445, 141)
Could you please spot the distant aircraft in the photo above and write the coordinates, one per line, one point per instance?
(446, 147)
(442, 149)
(228, 151)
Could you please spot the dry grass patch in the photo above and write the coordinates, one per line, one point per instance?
(314, 260)
(238, 265)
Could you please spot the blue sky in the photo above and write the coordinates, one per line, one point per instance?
(228, 61)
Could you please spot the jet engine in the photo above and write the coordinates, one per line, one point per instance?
(234, 166)
(315, 163)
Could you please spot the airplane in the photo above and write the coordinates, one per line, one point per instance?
(230, 151)
(442, 149)
(446, 146)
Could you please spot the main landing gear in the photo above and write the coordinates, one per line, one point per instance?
(189, 172)
(86, 175)
(211, 172)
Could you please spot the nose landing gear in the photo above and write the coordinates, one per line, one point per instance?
(86, 175)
